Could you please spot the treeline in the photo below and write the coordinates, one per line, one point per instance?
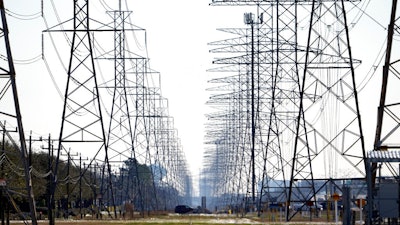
(85, 187)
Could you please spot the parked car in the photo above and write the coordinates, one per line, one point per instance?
(332, 205)
(182, 209)
(305, 207)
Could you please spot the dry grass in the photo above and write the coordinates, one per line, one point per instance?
(193, 219)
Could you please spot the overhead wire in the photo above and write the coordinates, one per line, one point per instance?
(28, 61)
(58, 57)
(134, 36)
(23, 16)
(141, 47)
(55, 46)
(145, 48)
(372, 71)
(363, 12)
(100, 72)
(59, 22)
(381, 54)
(35, 58)
(99, 51)
(105, 5)
(52, 78)
(333, 170)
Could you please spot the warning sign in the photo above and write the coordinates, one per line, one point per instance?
(336, 197)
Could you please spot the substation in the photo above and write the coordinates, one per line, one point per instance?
(285, 134)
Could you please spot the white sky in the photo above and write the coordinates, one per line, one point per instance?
(177, 35)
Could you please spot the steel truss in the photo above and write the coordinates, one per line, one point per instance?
(140, 130)
(139, 160)
(120, 142)
(14, 153)
(82, 127)
(277, 118)
(328, 78)
(383, 161)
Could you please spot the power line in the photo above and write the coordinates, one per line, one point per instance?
(23, 16)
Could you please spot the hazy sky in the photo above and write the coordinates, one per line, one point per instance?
(177, 35)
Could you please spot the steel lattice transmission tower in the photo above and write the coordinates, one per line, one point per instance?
(388, 110)
(129, 131)
(327, 91)
(82, 127)
(383, 171)
(142, 143)
(293, 99)
(14, 154)
(120, 141)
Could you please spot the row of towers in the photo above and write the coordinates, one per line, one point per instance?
(119, 125)
(286, 126)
